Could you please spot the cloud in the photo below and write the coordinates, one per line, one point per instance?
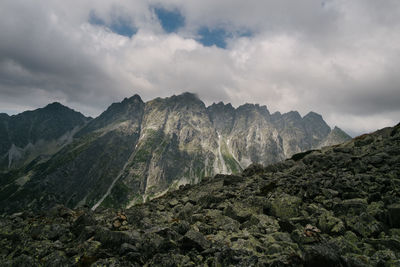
(335, 57)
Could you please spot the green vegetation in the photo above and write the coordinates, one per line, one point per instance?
(119, 196)
(8, 177)
(137, 199)
(67, 154)
(231, 163)
(154, 141)
(7, 191)
(229, 159)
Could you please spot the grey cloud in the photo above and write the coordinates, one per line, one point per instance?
(335, 57)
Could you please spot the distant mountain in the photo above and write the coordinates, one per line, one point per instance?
(40, 132)
(135, 151)
(335, 137)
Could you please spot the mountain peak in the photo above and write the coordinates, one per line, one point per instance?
(313, 115)
(133, 99)
(294, 115)
(250, 106)
(185, 99)
(339, 132)
(55, 105)
(221, 106)
(186, 96)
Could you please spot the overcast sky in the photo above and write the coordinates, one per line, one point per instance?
(338, 58)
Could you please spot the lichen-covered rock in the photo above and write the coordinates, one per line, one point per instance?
(194, 240)
(330, 224)
(238, 211)
(285, 206)
(394, 215)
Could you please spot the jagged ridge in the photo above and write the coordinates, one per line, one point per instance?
(135, 151)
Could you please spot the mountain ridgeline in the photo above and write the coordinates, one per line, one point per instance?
(42, 132)
(136, 151)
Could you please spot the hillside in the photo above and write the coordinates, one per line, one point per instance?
(335, 206)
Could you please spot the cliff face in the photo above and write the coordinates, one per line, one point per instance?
(136, 151)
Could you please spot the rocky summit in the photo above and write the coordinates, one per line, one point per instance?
(135, 151)
(335, 206)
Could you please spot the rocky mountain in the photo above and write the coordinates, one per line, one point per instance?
(135, 151)
(40, 132)
(336, 136)
(334, 206)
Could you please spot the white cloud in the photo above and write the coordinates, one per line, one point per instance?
(337, 58)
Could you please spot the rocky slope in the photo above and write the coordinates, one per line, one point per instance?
(135, 151)
(40, 132)
(336, 206)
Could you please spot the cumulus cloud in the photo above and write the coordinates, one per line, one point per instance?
(335, 57)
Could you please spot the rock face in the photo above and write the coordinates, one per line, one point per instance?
(135, 151)
(336, 136)
(40, 132)
(336, 206)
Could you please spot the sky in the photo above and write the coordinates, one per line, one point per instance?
(338, 58)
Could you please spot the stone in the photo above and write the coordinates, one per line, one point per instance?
(173, 202)
(266, 189)
(330, 224)
(117, 224)
(394, 215)
(238, 211)
(194, 240)
(85, 219)
(285, 206)
(126, 248)
(231, 179)
(321, 255)
(115, 238)
(364, 225)
(253, 169)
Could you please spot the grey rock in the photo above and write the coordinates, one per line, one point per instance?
(194, 240)
(394, 215)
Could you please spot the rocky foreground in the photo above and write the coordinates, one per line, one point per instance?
(338, 206)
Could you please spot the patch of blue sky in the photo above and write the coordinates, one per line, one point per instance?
(171, 20)
(218, 36)
(119, 25)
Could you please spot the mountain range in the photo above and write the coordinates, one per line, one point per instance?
(135, 151)
(337, 206)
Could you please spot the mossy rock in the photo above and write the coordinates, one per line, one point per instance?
(285, 206)
(330, 224)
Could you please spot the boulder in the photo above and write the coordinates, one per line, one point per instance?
(328, 223)
(285, 206)
(194, 240)
(321, 255)
(238, 211)
(394, 215)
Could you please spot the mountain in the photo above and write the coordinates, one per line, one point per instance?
(136, 151)
(334, 206)
(40, 132)
(334, 137)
